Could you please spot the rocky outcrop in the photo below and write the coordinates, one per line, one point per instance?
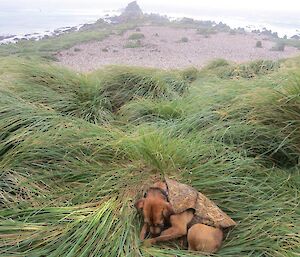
(131, 12)
(99, 23)
(296, 37)
(6, 37)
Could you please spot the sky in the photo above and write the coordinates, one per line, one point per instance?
(160, 5)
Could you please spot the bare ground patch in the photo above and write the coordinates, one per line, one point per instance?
(164, 47)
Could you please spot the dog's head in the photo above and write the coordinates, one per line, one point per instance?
(156, 212)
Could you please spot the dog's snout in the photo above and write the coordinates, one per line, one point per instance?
(155, 230)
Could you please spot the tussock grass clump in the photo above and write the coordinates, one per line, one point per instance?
(279, 46)
(282, 110)
(190, 74)
(264, 124)
(265, 143)
(150, 110)
(206, 31)
(61, 145)
(217, 63)
(249, 70)
(176, 81)
(133, 44)
(183, 40)
(224, 69)
(258, 44)
(161, 150)
(136, 36)
(20, 119)
(123, 84)
(64, 91)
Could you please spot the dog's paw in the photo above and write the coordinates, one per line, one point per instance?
(147, 242)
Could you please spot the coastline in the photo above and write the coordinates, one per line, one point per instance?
(107, 15)
(38, 34)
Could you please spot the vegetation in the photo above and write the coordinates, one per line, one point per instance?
(124, 84)
(249, 70)
(77, 149)
(279, 46)
(184, 40)
(206, 31)
(217, 63)
(291, 42)
(258, 44)
(136, 36)
(190, 74)
(133, 44)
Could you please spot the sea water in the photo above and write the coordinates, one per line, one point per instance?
(23, 22)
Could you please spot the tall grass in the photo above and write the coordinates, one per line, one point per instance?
(77, 150)
(282, 109)
(148, 110)
(63, 91)
(123, 84)
(250, 70)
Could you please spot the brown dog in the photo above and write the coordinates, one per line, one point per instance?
(158, 214)
(156, 210)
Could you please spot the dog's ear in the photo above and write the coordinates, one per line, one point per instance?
(168, 210)
(140, 204)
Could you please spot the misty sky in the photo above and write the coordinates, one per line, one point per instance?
(281, 6)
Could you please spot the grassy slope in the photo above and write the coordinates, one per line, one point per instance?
(76, 149)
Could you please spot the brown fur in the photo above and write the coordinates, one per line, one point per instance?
(157, 212)
(204, 238)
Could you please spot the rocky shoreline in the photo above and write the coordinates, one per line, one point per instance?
(6, 39)
(38, 36)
